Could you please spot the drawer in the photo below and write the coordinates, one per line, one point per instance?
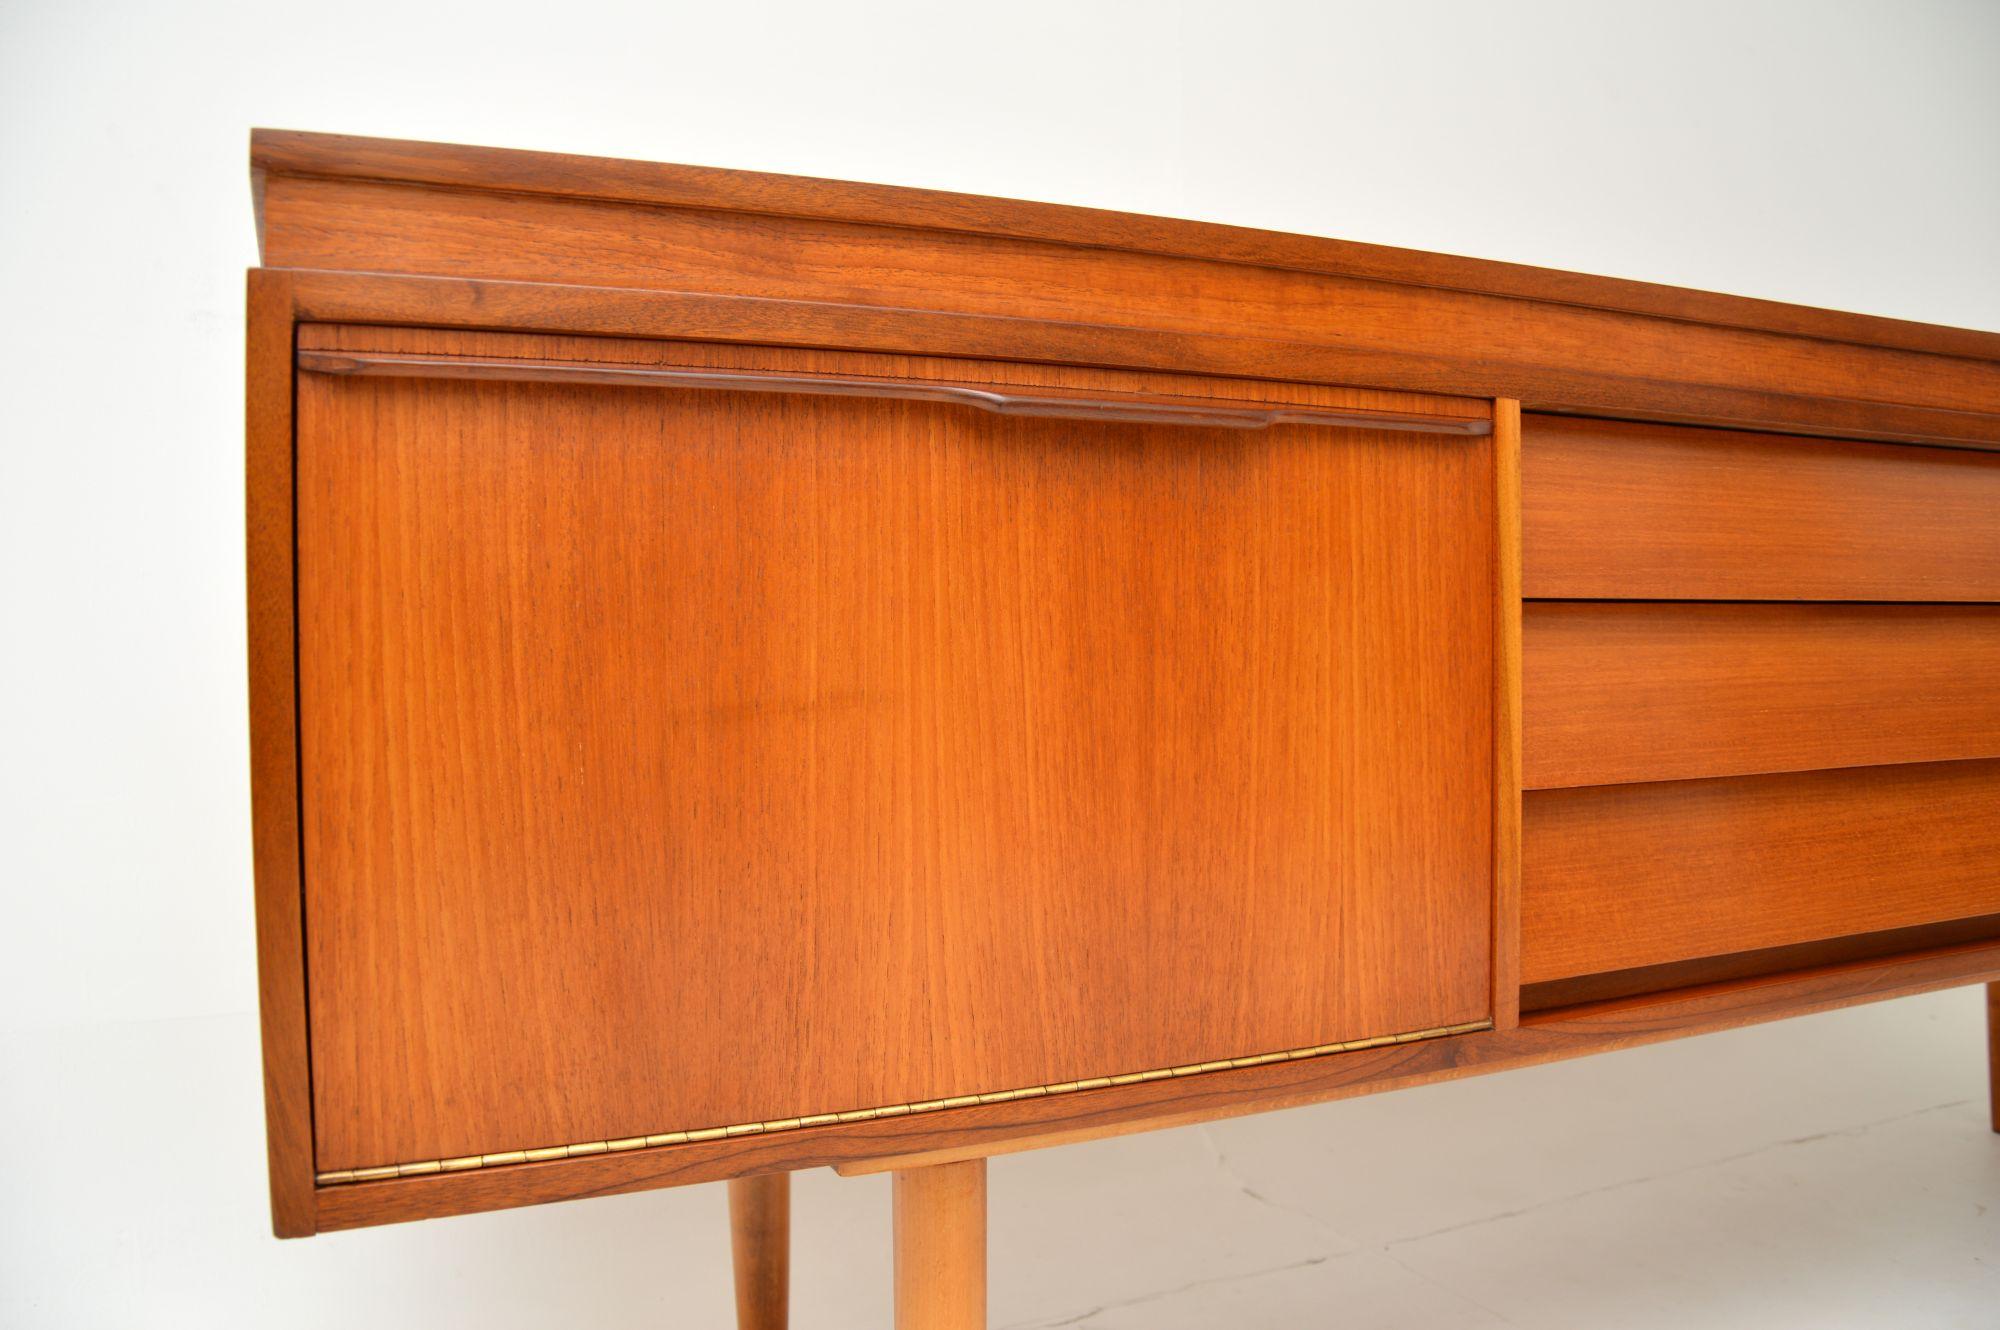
(1625, 876)
(1617, 692)
(1627, 511)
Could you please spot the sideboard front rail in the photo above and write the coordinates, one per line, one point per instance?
(660, 1140)
(898, 1142)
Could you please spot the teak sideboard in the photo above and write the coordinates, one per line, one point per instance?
(751, 673)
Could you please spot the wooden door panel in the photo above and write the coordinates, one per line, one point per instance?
(675, 758)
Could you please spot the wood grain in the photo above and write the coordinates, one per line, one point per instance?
(677, 759)
(1623, 511)
(434, 352)
(1027, 1124)
(1763, 962)
(940, 1233)
(1649, 692)
(760, 1248)
(274, 773)
(611, 180)
(1010, 399)
(1542, 1037)
(1527, 339)
(470, 633)
(1510, 344)
(1583, 385)
(1624, 876)
(1507, 715)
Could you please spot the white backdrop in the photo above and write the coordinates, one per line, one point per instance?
(1837, 154)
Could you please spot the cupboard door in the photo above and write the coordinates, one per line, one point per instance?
(682, 758)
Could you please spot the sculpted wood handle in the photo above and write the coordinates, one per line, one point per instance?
(1135, 408)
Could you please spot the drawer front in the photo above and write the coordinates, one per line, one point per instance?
(1658, 512)
(1646, 692)
(677, 759)
(1626, 876)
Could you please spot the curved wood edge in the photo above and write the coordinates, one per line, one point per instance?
(274, 770)
(342, 156)
(1047, 403)
(537, 307)
(974, 1132)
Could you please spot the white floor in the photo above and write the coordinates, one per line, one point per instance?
(1835, 1171)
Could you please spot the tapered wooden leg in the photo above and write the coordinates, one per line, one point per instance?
(760, 1236)
(1993, 1048)
(941, 1247)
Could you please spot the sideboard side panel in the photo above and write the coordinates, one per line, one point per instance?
(274, 771)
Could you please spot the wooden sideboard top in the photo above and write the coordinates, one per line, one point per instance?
(613, 180)
(579, 244)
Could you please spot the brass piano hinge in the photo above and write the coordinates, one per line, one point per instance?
(551, 1152)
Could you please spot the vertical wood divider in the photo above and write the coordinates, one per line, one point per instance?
(1507, 715)
(940, 1222)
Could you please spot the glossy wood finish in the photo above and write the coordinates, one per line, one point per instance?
(1623, 876)
(924, 281)
(940, 1223)
(442, 353)
(992, 1129)
(274, 773)
(760, 1247)
(1018, 400)
(277, 153)
(1543, 1036)
(1758, 963)
(1648, 692)
(1623, 511)
(677, 759)
(1548, 339)
(561, 308)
